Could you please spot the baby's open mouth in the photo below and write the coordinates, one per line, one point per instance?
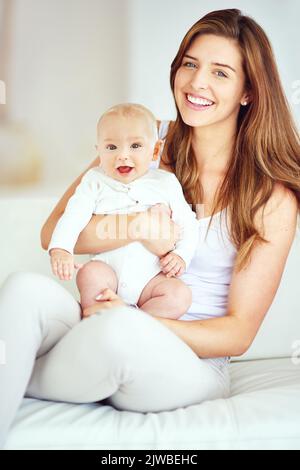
(125, 169)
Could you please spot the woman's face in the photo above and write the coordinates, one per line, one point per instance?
(209, 84)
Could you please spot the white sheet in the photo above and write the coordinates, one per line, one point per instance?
(262, 413)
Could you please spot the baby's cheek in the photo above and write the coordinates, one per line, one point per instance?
(107, 167)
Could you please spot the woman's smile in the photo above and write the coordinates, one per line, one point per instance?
(198, 103)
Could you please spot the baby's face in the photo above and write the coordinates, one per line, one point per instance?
(125, 146)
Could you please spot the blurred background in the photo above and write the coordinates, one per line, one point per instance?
(63, 62)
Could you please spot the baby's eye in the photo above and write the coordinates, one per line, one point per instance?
(223, 74)
(111, 147)
(136, 145)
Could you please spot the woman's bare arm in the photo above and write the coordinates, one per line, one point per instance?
(252, 290)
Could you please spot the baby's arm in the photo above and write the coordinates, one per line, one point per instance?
(77, 214)
(178, 260)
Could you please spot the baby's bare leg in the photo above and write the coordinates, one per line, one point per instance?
(92, 278)
(165, 297)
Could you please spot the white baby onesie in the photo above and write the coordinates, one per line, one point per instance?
(98, 193)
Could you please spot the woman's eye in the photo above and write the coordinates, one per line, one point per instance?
(136, 145)
(189, 65)
(223, 74)
(111, 147)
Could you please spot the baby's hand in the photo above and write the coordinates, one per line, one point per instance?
(172, 265)
(62, 263)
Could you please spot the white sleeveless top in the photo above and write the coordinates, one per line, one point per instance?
(209, 274)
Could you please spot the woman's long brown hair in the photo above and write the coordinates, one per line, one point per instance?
(267, 146)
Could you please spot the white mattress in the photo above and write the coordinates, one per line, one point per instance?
(262, 413)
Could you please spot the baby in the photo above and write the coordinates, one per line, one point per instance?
(123, 183)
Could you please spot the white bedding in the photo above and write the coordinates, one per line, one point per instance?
(268, 388)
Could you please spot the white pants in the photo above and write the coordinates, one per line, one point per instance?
(123, 355)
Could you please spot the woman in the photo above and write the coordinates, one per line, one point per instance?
(236, 152)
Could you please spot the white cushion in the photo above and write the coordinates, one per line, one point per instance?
(262, 413)
(279, 334)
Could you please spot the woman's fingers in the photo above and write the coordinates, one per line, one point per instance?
(87, 312)
(107, 294)
(105, 300)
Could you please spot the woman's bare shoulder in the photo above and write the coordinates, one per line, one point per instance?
(281, 209)
(282, 198)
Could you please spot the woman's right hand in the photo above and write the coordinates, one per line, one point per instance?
(157, 232)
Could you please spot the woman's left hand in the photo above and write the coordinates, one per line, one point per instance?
(106, 300)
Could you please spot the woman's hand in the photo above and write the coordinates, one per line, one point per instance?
(158, 233)
(105, 300)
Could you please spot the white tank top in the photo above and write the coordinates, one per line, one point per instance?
(209, 274)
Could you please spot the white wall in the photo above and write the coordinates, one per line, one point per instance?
(69, 65)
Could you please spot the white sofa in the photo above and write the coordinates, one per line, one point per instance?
(263, 411)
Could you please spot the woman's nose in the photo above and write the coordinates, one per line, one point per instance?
(199, 80)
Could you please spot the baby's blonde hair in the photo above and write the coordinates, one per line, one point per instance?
(133, 109)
